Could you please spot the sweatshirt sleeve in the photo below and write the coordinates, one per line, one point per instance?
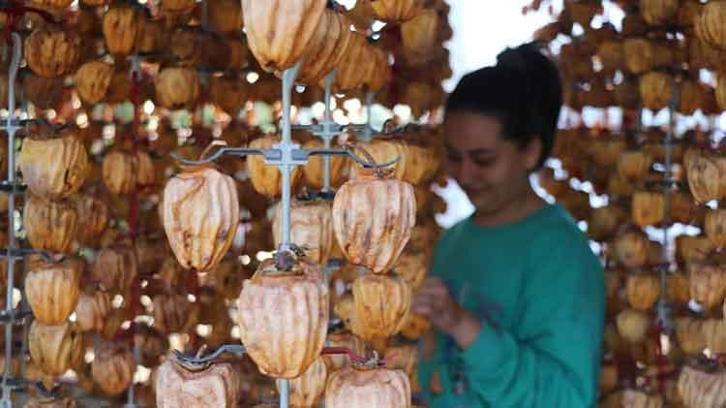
(555, 361)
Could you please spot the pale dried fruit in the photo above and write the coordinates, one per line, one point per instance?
(307, 389)
(145, 171)
(52, 52)
(311, 229)
(151, 343)
(658, 12)
(52, 290)
(201, 215)
(278, 32)
(690, 336)
(633, 325)
(415, 326)
(119, 172)
(225, 16)
(418, 37)
(710, 24)
(326, 49)
(365, 388)
(656, 90)
(678, 288)
(631, 249)
(693, 96)
(92, 309)
(54, 168)
(634, 165)
(396, 10)
(413, 268)
(173, 313)
(355, 66)
(647, 208)
(689, 249)
(381, 305)
(50, 226)
(283, 317)
(704, 176)
(639, 55)
(115, 268)
(55, 349)
(214, 386)
(229, 93)
(714, 332)
(422, 163)
(177, 88)
(708, 284)
(372, 218)
(702, 389)
(612, 55)
(228, 277)
(176, 6)
(44, 93)
(715, 227)
(92, 81)
(50, 402)
(642, 291)
(95, 214)
(683, 208)
(633, 399)
(608, 378)
(120, 28)
(113, 368)
(54, 5)
(150, 36)
(604, 221)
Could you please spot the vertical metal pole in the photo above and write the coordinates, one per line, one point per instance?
(286, 166)
(368, 132)
(663, 310)
(327, 128)
(131, 396)
(205, 14)
(11, 128)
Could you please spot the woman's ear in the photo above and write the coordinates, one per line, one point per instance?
(532, 153)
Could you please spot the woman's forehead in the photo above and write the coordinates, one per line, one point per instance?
(471, 131)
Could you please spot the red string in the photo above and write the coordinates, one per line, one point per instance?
(356, 358)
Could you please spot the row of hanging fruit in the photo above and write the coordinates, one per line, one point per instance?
(664, 55)
(143, 254)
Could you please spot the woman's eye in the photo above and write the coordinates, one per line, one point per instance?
(453, 157)
(484, 162)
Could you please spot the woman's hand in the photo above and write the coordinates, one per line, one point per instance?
(436, 303)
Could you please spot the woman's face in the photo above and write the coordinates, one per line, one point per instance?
(493, 171)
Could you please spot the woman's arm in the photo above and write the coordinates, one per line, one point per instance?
(555, 360)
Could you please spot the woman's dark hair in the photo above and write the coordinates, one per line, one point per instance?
(523, 91)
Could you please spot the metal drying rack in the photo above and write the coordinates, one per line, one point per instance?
(286, 155)
(9, 316)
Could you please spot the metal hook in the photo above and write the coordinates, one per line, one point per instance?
(198, 363)
(270, 154)
(350, 153)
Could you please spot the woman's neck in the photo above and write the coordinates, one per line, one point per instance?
(517, 210)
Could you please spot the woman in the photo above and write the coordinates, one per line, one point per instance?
(515, 293)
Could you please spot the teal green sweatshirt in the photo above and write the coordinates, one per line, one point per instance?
(539, 292)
